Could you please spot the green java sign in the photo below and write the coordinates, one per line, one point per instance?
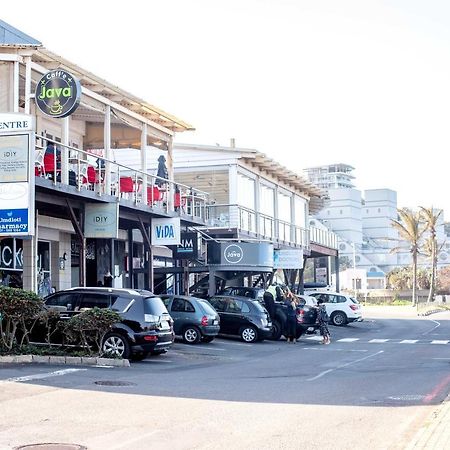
(58, 93)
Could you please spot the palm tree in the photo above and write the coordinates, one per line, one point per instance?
(410, 229)
(431, 246)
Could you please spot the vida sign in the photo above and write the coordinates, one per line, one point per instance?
(166, 231)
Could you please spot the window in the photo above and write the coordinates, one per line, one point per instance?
(245, 308)
(188, 307)
(219, 304)
(234, 306)
(284, 207)
(63, 301)
(266, 201)
(178, 304)
(300, 212)
(341, 299)
(246, 191)
(120, 303)
(95, 301)
(166, 301)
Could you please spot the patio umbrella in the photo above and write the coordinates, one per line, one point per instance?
(162, 171)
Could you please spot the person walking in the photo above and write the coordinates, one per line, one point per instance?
(322, 319)
(291, 319)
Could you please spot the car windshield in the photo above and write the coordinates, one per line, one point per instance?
(258, 306)
(154, 306)
(207, 307)
(354, 300)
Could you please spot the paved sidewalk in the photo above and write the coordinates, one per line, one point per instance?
(435, 434)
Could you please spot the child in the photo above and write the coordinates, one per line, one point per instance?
(322, 319)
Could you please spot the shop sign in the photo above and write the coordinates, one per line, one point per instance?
(101, 220)
(188, 249)
(241, 255)
(288, 259)
(166, 231)
(58, 93)
(11, 254)
(16, 175)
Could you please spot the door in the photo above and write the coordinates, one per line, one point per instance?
(220, 305)
(235, 317)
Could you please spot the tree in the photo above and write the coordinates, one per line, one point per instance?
(411, 230)
(431, 246)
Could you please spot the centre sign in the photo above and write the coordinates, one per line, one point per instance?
(58, 93)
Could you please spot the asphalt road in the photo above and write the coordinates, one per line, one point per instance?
(371, 388)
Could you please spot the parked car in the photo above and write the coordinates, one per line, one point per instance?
(306, 314)
(341, 308)
(194, 318)
(146, 326)
(241, 316)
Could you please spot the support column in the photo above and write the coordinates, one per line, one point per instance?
(336, 264)
(130, 259)
(170, 190)
(233, 197)
(107, 149)
(144, 162)
(27, 84)
(16, 87)
(65, 151)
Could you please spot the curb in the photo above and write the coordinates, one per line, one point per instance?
(72, 360)
(433, 311)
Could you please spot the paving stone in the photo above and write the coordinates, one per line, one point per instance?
(23, 358)
(90, 360)
(76, 360)
(41, 359)
(57, 360)
(7, 359)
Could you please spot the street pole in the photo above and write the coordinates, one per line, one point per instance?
(354, 269)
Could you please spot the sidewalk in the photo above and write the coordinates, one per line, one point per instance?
(435, 434)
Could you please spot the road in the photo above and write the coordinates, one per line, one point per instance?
(371, 388)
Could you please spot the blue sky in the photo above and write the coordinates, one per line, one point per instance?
(308, 82)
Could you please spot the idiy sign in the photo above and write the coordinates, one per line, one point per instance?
(101, 220)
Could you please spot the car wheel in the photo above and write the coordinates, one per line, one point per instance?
(116, 345)
(158, 352)
(249, 334)
(276, 330)
(191, 335)
(207, 338)
(339, 319)
(139, 356)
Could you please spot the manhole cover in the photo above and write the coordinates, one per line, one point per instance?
(407, 397)
(114, 383)
(51, 446)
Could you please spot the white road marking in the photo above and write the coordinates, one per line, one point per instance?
(435, 321)
(234, 343)
(348, 340)
(378, 341)
(40, 376)
(199, 348)
(314, 338)
(408, 341)
(440, 342)
(321, 374)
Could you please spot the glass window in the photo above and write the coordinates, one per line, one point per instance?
(266, 201)
(341, 299)
(258, 306)
(154, 305)
(178, 304)
(284, 207)
(246, 191)
(189, 307)
(95, 301)
(234, 306)
(245, 308)
(300, 212)
(62, 301)
(120, 303)
(219, 303)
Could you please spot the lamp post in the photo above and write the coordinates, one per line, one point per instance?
(354, 267)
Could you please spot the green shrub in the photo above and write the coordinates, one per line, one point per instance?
(88, 328)
(19, 310)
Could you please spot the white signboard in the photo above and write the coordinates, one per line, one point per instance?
(101, 220)
(166, 231)
(16, 175)
(288, 259)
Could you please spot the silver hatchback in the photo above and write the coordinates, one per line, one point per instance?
(194, 318)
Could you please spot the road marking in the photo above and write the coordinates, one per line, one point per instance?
(408, 341)
(235, 343)
(348, 340)
(156, 361)
(182, 349)
(435, 321)
(314, 338)
(40, 376)
(440, 342)
(378, 341)
(321, 374)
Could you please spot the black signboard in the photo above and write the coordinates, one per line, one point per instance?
(188, 249)
(241, 255)
(58, 93)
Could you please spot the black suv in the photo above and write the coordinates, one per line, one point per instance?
(146, 326)
(241, 316)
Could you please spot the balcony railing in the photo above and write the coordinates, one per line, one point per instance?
(323, 237)
(89, 172)
(245, 219)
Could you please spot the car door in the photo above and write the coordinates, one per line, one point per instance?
(179, 315)
(220, 305)
(234, 316)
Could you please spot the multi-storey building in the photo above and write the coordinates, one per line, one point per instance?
(333, 176)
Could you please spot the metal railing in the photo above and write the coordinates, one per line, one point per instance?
(323, 237)
(107, 177)
(245, 219)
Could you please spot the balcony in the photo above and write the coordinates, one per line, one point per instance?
(256, 223)
(95, 177)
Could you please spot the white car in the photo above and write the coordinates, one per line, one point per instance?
(341, 308)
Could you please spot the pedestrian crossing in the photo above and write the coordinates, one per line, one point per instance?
(383, 341)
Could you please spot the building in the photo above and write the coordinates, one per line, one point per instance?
(333, 176)
(64, 201)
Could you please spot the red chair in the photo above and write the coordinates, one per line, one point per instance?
(126, 185)
(50, 163)
(92, 175)
(153, 194)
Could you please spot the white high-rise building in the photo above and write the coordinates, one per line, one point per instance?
(333, 176)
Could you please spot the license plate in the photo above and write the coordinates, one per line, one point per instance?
(164, 326)
(215, 322)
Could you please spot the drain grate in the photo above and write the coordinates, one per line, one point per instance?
(114, 383)
(51, 446)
